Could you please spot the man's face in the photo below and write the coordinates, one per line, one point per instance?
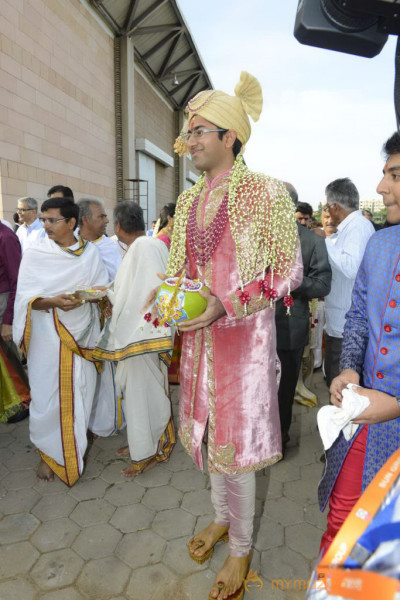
(327, 223)
(303, 219)
(58, 228)
(207, 151)
(97, 223)
(389, 188)
(26, 215)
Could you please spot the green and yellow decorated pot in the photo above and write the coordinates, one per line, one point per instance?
(175, 305)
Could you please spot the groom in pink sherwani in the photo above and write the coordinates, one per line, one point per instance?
(236, 232)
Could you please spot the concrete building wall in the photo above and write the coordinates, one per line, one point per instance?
(154, 121)
(57, 123)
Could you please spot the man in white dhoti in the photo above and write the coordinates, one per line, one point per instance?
(57, 333)
(139, 346)
(93, 223)
(106, 417)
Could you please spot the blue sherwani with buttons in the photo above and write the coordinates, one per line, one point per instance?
(371, 346)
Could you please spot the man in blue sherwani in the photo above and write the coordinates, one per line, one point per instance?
(370, 358)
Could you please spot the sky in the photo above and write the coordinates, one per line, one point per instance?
(325, 115)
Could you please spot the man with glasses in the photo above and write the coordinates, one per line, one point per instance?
(345, 252)
(235, 231)
(30, 228)
(57, 332)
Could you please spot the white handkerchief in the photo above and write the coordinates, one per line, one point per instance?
(332, 420)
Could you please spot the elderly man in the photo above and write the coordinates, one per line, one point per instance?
(30, 229)
(57, 333)
(138, 345)
(370, 358)
(93, 222)
(236, 232)
(345, 250)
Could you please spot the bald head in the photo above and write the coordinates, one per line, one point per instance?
(292, 192)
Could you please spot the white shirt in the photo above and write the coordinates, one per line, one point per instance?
(28, 234)
(345, 251)
(110, 255)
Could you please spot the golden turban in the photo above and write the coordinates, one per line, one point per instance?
(227, 112)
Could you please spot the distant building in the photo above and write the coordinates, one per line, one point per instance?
(374, 205)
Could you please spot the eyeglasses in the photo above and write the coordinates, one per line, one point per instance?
(51, 220)
(23, 209)
(198, 133)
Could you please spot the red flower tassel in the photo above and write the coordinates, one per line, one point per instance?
(288, 301)
(244, 298)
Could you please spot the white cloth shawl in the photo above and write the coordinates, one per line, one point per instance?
(127, 333)
(47, 270)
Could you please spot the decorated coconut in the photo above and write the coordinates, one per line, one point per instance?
(178, 300)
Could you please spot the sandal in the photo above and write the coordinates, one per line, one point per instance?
(200, 543)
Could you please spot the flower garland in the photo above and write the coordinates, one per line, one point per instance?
(262, 223)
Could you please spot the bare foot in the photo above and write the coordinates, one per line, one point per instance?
(44, 472)
(124, 451)
(230, 578)
(132, 472)
(206, 539)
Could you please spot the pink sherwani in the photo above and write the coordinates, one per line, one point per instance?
(229, 369)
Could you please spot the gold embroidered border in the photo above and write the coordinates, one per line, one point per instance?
(255, 304)
(211, 395)
(185, 430)
(165, 447)
(235, 470)
(157, 345)
(186, 438)
(69, 473)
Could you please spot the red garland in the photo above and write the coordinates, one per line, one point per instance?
(156, 322)
(147, 317)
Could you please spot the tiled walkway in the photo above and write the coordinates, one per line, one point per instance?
(109, 538)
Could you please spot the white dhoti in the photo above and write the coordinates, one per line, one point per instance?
(141, 351)
(59, 345)
(142, 382)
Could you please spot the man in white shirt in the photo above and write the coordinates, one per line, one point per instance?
(345, 250)
(30, 228)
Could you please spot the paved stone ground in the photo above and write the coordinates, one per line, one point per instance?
(109, 538)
